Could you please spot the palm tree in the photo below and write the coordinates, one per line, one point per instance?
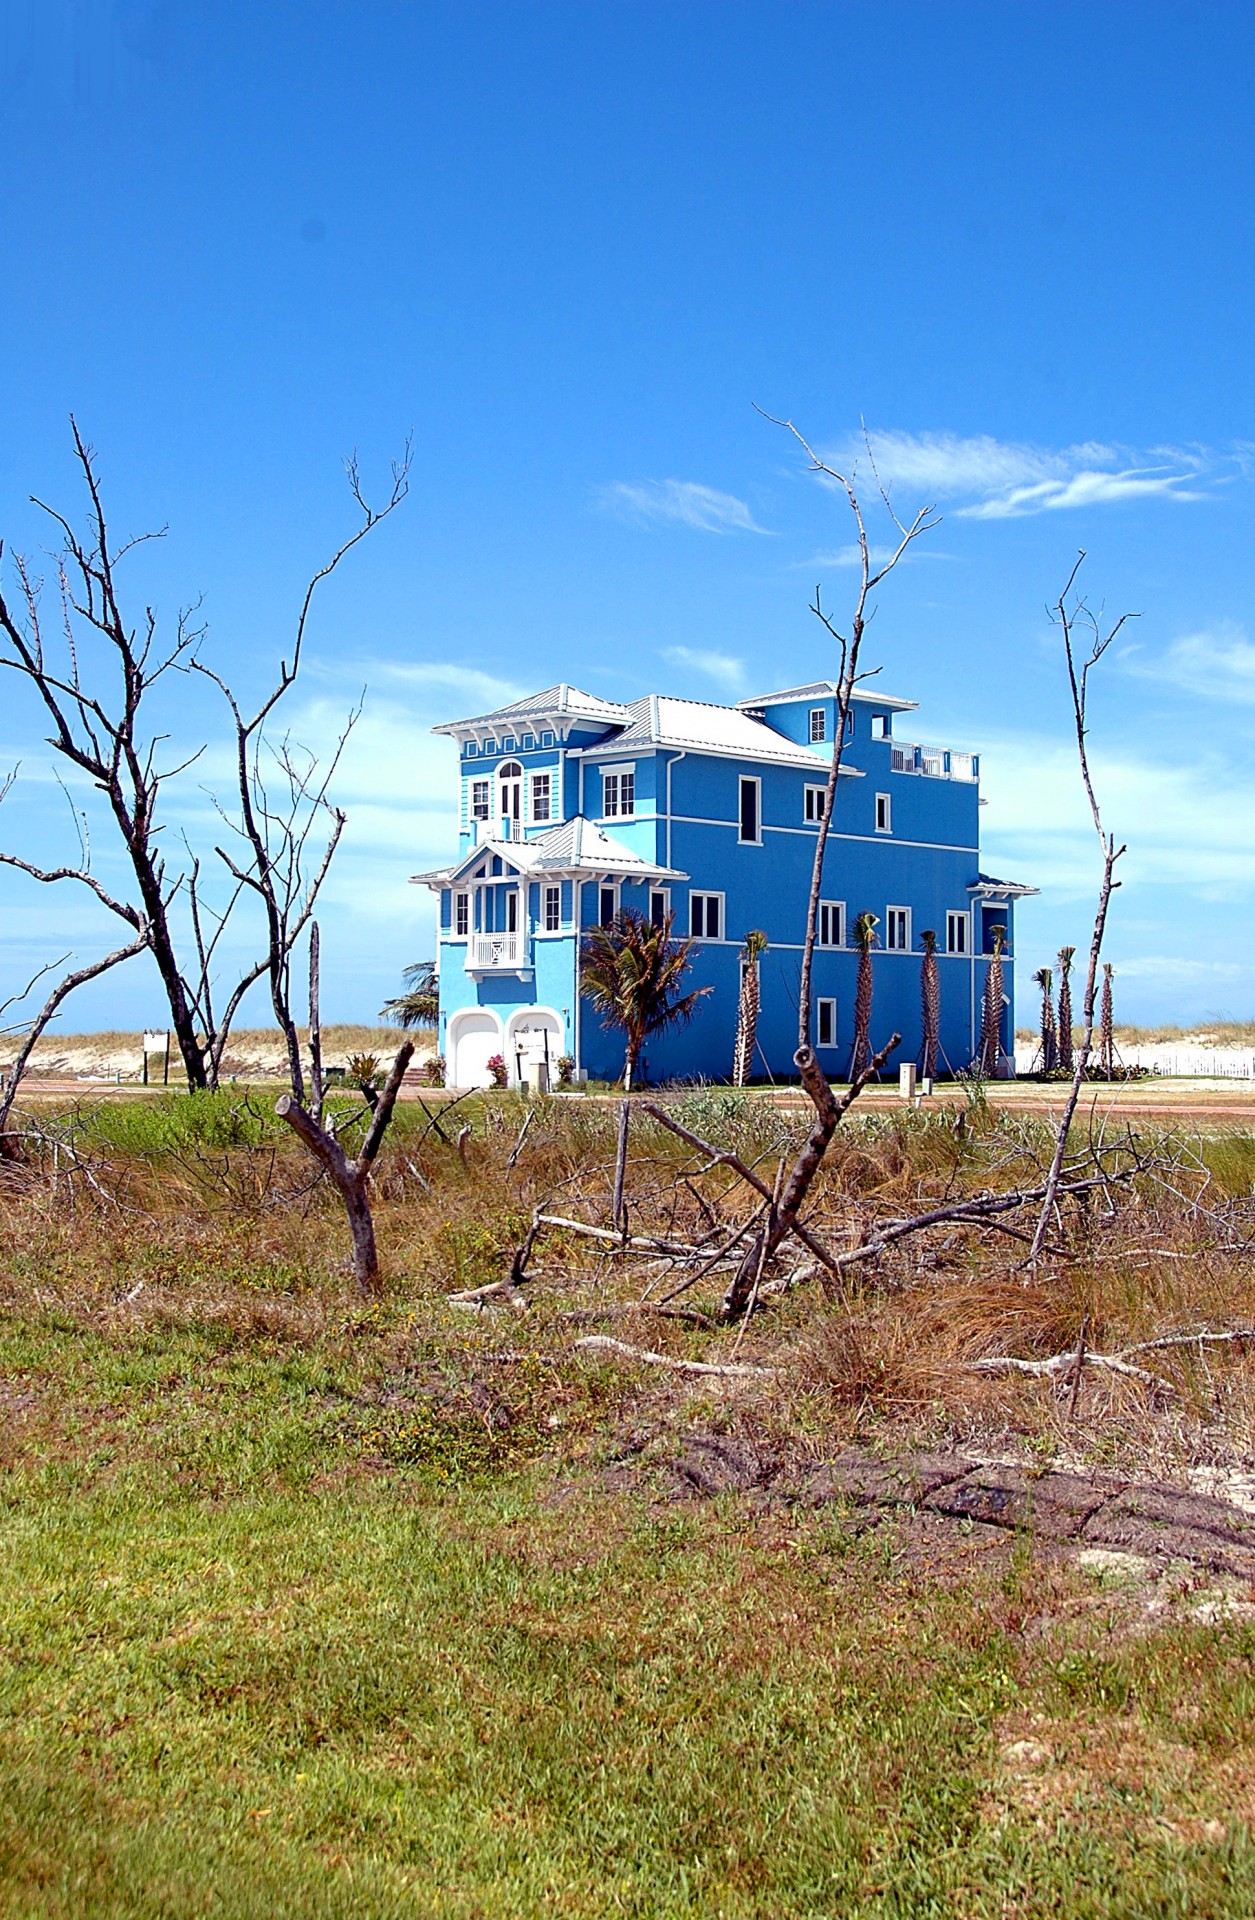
(747, 1012)
(1106, 1029)
(419, 1005)
(930, 1005)
(991, 1019)
(1066, 956)
(1044, 978)
(864, 939)
(631, 971)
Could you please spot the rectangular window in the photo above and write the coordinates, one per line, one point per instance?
(607, 906)
(542, 790)
(512, 910)
(546, 739)
(751, 790)
(819, 724)
(830, 926)
(479, 799)
(898, 929)
(618, 793)
(706, 916)
(527, 743)
(825, 1023)
(884, 814)
(849, 724)
(659, 906)
(461, 914)
(553, 909)
(814, 804)
(958, 936)
(881, 726)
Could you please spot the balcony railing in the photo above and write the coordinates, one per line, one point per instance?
(935, 762)
(490, 952)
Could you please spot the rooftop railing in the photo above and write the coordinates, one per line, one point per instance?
(935, 763)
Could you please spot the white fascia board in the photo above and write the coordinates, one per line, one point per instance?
(625, 750)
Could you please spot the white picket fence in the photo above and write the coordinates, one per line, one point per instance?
(1190, 1063)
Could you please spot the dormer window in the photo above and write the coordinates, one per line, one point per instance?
(819, 724)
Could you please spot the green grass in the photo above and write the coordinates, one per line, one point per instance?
(277, 1641)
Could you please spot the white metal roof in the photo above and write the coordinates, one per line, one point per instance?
(985, 887)
(562, 702)
(701, 725)
(828, 690)
(577, 848)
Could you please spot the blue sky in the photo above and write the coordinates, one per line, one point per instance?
(569, 247)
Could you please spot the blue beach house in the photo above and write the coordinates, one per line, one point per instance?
(573, 807)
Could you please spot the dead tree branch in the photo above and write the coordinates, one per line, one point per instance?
(352, 1176)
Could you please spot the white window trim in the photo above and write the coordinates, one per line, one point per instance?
(817, 739)
(826, 1001)
(820, 802)
(460, 893)
(754, 780)
(964, 919)
(544, 932)
(654, 893)
(478, 780)
(710, 893)
(906, 947)
(887, 800)
(540, 773)
(607, 886)
(837, 907)
(619, 767)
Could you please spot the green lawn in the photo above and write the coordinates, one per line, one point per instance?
(247, 1669)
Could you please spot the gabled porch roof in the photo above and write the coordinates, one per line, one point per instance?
(577, 849)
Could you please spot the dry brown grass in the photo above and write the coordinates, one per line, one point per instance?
(244, 1242)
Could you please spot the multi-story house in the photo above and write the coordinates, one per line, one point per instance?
(574, 807)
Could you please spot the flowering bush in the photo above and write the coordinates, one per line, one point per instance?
(497, 1068)
(566, 1069)
(432, 1072)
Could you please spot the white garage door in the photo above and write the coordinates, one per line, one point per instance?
(476, 1038)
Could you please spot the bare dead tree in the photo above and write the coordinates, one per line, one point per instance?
(352, 1176)
(849, 664)
(99, 715)
(1085, 641)
(782, 1220)
(61, 992)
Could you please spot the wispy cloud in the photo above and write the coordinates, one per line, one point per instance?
(1171, 969)
(851, 556)
(483, 691)
(1215, 664)
(1037, 826)
(686, 502)
(1012, 479)
(724, 668)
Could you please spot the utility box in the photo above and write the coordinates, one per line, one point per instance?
(536, 1074)
(906, 1080)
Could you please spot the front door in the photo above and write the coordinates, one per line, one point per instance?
(510, 798)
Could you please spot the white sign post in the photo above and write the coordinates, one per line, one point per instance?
(157, 1043)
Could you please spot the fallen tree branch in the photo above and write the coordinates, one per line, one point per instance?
(604, 1343)
(1064, 1363)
